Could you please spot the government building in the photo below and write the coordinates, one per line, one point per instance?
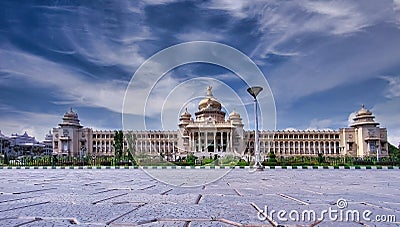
(210, 131)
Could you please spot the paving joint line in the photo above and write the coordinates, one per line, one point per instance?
(38, 190)
(165, 192)
(292, 198)
(12, 200)
(198, 199)
(151, 186)
(21, 207)
(28, 222)
(108, 198)
(237, 192)
(104, 191)
(120, 216)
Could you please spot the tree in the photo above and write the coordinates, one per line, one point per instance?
(272, 157)
(394, 152)
(6, 161)
(321, 158)
(191, 159)
(118, 144)
(131, 140)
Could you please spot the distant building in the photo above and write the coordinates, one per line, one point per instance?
(48, 144)
(214, 133)
(4, 144)
(19, 145)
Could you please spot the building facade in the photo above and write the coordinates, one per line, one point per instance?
(22, 145)
(71, 138)
(211, 132)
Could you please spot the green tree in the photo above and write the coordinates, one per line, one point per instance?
(272, 157)
(321, 158)
(394, 152)
(131, 140)
(118, 144)
(6, 160)
(191, 159)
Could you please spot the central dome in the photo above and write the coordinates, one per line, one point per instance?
(363, 111)
(209, 102)
(71, 119)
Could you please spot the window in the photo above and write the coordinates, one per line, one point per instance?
(65, 146)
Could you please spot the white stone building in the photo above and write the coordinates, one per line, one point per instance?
(211, 132)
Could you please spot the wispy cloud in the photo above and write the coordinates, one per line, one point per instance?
(69, 85)
(320, 124)
(394, 86)
(197, 35)
(396, 5)
(35, 124)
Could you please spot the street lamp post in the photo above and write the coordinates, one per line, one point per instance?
(254, 91)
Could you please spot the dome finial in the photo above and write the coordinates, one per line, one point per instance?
(363, 106)
(209, 91)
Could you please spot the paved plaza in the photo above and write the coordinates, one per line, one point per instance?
(241, 197)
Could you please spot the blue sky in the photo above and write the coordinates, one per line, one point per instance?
(322, 59)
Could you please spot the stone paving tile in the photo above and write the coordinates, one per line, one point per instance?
(127, 197)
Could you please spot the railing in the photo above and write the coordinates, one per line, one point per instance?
(299, 160)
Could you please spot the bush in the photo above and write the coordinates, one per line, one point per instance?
(321, 158)
(105, 163)
(272, 157)
(276, 163)
(362, 162)
(241, 162)
(191, 159)
(385, 163)
(207, 161)
(125, 163)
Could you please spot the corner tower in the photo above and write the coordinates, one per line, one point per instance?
(365, 137)
(70, 138)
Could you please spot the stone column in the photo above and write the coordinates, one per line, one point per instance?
(330, 148)
(215, 137)
(334, 147)
(284, 146)
(315, 147)
(169, 141)
(199, 139)
(206, 141)
(231, 140)
(227, 146)
(193, 142)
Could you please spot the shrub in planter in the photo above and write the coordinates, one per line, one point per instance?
(105, 163)
(125, 163)
(241, 162)
(362, 162)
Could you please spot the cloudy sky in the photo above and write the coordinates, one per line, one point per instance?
(322, 60)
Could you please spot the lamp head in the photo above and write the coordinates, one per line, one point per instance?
(254, 91)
